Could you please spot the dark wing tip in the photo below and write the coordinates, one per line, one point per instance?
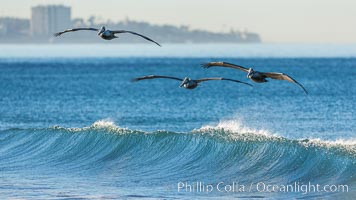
(149, 39)
(142, 78)
(135, 79)
(249, 84)
(245, 83)
(205, 65)
(57, 34)
(143, 36)
(305, 90)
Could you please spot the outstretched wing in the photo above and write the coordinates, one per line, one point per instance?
(75, 29)
(224, 64)
(281, 76)
(134, 33)
(155, 76)
(221, 79)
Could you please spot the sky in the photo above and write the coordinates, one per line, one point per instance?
(277, 21)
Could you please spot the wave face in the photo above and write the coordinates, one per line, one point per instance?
(130, 158)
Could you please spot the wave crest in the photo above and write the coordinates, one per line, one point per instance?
(105, 125)
(234, 129)
(229, 149)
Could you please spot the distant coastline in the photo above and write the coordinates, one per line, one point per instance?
(17, 31)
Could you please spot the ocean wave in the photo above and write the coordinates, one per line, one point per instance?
(228, 150)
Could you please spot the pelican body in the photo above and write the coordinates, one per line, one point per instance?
(256, 76)
(106, 34)
(187, 82)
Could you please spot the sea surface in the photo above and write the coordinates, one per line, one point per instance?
(73, 125)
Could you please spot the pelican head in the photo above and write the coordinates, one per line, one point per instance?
(250, 72)
(102, 30)
(185, 81)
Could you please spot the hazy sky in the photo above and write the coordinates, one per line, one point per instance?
(292, 21)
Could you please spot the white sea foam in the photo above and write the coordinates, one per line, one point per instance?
(104, 123)
(236, 126)
(346, 144)
(237, 130)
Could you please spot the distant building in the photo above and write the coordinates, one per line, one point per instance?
(46, 20)
(14, 27)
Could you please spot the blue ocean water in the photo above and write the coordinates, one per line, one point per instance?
(79, 128)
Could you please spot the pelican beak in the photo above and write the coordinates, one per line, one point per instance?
(182, 84)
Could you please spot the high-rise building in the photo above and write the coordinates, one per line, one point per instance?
(46, 20)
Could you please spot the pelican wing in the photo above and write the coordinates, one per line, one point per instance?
(134, 33)
(224, 64)
(155, 76)
(221, 79)
(75, 29)
(281, 76)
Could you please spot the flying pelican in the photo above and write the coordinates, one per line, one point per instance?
(105, 33)
(256, 76)
(187, 82)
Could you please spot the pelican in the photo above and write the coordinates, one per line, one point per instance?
(187, 82)
(105, 33)
(256, 76)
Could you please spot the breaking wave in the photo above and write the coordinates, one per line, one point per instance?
(228, 151)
